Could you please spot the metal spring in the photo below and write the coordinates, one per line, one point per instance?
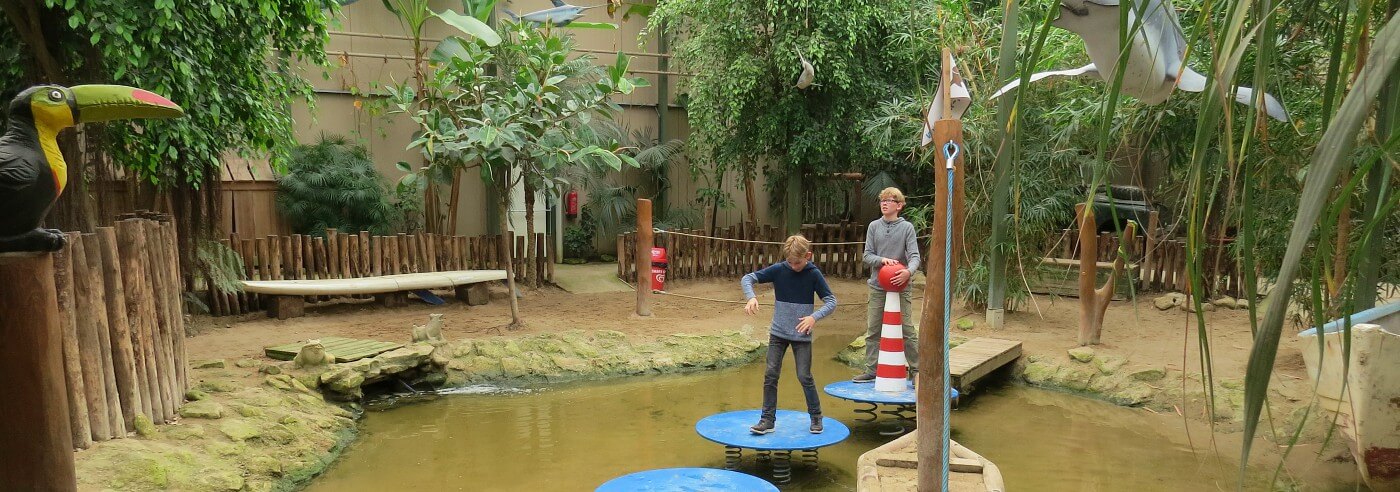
(809, 457)
(732, 456)
(782, 467)
(868, 412)
(764, 455)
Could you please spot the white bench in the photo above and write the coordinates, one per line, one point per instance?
(287, 296)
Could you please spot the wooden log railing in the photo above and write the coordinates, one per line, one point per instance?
(338, 255)
(122, 327)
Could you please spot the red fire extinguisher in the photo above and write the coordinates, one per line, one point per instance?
(571, 203)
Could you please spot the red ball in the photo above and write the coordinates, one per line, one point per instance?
(886, 278)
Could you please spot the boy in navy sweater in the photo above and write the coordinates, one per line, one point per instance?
(795, 282)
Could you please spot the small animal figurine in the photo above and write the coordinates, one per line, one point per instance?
(1155, 65)
(313, 354)
(809, 73)
(32, 170)
(431, 333)
(560, 15)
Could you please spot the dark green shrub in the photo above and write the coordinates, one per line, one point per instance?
(578, 242)
(334, 184)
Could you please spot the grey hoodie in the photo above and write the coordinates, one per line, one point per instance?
(890, 239)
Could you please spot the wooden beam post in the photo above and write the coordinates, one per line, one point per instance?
(36, 442)
(644, 242)
(932, 409)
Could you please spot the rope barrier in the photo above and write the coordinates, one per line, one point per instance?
(752, 241)
(727, 301)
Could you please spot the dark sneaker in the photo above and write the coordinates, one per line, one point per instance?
(762, 427)
(816, 424)
(868, 377)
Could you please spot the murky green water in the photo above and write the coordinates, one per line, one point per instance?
(576, 437)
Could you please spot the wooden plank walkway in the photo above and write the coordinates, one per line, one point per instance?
(977, 358)
(344, 349)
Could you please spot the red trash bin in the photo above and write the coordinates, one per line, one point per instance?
(658, 268)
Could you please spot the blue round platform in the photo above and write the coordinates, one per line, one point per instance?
(789, 434)
(865, 392)
(687, 479)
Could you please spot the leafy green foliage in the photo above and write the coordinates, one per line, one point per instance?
(578, 242)
(525, 121)
(743, 107)
(235, 88)
(334, 184)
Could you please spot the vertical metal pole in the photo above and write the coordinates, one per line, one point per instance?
(36, 443)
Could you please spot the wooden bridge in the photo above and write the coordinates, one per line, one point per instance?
(976, 358)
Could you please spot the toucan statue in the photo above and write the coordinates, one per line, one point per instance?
(1156, 51)
(560, 15)
(32, 171)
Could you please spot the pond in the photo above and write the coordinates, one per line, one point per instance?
(577, 436)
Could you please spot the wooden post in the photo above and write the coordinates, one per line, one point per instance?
(176, 310)
(376, 252)
(364, 254)
(36, 439)
(343, 251)
(643, 258)
(161, 327)
(132, 244)
(97, 314)
(123, 356)
(79, 423)
(89, 347)
(932, 408)
(1093, 303)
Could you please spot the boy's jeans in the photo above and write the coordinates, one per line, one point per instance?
(874, 316)
(802, 355)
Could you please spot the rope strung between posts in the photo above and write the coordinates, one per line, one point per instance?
(752, 241)
(727, 301)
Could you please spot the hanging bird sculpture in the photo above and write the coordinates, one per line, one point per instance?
(560, 15)
(1156, 52)
(32, 170)
(809, 73)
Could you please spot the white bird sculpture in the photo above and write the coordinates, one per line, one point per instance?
(809, 73)
(560, 15)
(1155, 56)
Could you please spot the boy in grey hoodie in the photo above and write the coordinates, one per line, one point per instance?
(890, 240)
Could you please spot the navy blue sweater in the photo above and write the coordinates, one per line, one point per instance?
(793, 292)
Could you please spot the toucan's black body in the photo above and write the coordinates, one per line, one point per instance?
(27, 185)
(32, 170)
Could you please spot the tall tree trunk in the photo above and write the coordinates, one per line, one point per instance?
(507, 239)
(532, 271)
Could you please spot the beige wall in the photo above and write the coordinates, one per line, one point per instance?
(357, 67)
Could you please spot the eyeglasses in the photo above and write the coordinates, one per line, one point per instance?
(890, 200)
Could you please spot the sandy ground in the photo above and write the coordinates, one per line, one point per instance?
(1138, 331)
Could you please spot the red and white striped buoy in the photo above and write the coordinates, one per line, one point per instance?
(890, 367)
